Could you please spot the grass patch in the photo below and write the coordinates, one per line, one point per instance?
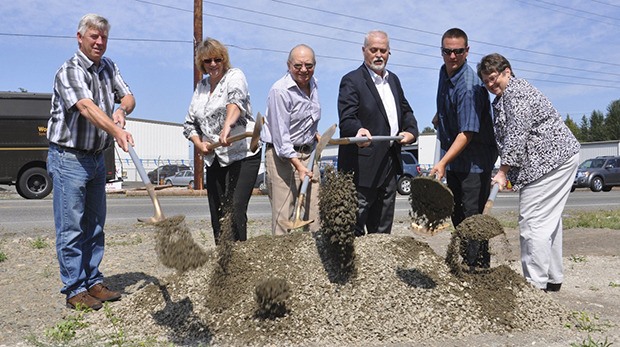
(577, 258)
(39, 243)
(583, 321)
(65, 330)
(592, 219)
(590, 342)
(570, 219)
(3, 257)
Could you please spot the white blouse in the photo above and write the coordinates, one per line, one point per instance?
(207, 113)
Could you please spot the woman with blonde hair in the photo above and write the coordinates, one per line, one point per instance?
(220, 108)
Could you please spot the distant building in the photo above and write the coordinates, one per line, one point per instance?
(156, 143)
(595, 149)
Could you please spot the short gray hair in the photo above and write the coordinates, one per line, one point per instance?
(376, 32)
(92, 20)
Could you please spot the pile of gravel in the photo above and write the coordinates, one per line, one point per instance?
(402, 293)
(327, 288)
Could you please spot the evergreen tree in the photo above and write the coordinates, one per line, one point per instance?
(612, 121)
(584, 129)
(597, 127)
(574, 128)
(428, 130)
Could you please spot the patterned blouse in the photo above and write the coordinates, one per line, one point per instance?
(207, 112)
(530, 133)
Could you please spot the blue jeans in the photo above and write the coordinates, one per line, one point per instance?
(79, 215)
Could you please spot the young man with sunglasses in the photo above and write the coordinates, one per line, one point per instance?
(465, 131)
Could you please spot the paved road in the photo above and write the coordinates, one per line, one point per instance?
(17, 214)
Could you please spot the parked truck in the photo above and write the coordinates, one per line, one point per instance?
(23, 144)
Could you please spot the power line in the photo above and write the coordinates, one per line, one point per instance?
(432, 33)
(111, 38)
(383, 23)
(605, 3)
(612, 83)
(394, 39)
(578, 10)
(567, 13)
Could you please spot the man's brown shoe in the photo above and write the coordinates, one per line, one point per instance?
(83, 300)
(102, 293)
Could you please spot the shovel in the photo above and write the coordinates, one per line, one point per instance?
(432, 202)
(358, 139)
(255, 135)
(159, 216)
(314, 156)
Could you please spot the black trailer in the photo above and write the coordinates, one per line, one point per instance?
(23, 144)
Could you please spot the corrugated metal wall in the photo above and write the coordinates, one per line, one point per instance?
(156, 143)
(595, 149)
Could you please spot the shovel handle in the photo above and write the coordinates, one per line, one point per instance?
(230, 139)
(306, 181)
(149, 186)
(491, 199)
(138, 164)
(358, 139)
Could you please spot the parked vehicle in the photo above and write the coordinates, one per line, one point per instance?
(600, 173)
(161, 173)
(330, 160)
(23, 144)
(411, 169)
(183, 178)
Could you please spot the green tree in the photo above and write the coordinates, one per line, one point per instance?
(574, 128)
(428, 130)
(612, 121)
(597, 127)
(584, 129)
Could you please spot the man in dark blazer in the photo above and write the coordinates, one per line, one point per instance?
(371, 102)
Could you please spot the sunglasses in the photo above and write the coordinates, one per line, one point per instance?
(448, 51)
(299, 66)
(210, 60)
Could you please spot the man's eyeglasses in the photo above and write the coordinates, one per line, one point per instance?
(299, 66)
(210, 60)
(457, 51)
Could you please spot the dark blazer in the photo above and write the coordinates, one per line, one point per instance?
(360, 106)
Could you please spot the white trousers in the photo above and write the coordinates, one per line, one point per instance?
(541, 204)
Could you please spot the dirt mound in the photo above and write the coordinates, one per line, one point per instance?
(402, 292)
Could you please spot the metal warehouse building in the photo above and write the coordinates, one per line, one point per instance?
(159, 143)
(156, 143)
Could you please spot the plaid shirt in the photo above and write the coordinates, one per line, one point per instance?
(463, 106)
(78, 78)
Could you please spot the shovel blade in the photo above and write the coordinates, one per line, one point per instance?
(298, 223)
(151, 220)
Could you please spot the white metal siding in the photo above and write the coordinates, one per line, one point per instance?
(595, 149)
(156, 143)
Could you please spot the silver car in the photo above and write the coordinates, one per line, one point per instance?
(182, 178)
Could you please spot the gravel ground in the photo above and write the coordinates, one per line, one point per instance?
(402, 293)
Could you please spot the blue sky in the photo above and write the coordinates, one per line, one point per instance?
(568, 49)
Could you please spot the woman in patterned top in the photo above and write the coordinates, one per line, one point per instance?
(220, 108)
(539, 155)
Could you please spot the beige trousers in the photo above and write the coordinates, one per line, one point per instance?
(283, 184)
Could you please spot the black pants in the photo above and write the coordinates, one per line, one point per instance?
(376, 206)
(471, 191)
(229, 189)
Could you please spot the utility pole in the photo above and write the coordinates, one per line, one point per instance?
(199, 165)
